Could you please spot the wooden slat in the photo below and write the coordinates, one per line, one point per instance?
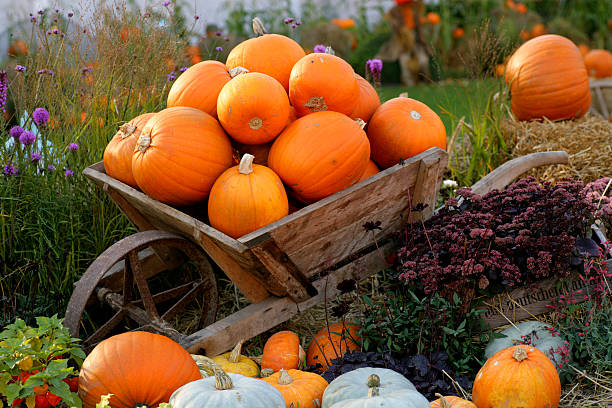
(426, 189)
(257, 318)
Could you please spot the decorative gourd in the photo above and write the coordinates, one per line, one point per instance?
(517, 377)
(234, 362)
(138, 368)
(119, 151)
(401, 128)
(372, 388)
(537, 334)
(548, 78)
(320, 154)
(370, 170)
(253, 108)
(368, 101)
(599, 63)
(246, 197)
(199, 86)
(206, 365)
(270, 54)
(321, 82)
(260, 151)
(451, 402)
(332, 342)
(227, 391)
(299, 388)
(282, 350)
(179, 155)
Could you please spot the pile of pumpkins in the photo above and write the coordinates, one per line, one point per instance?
(304, 126)
(147, 369)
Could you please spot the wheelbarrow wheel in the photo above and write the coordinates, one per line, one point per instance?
(133, 286)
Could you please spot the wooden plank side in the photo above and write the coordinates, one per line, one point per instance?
(257, 318)
(426, 189)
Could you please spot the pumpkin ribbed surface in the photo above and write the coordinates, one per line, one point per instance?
(253, 108)
(138, 368)
(368, 101)
(402, 128)
(321, 82)
(119, 151)
(451, 401)
(517, 377)
(320, 154)
(179, 155)
(282, 350)
(199, 87)
(299, 388)
(548, 78)
(331, 342)
(370, 170)
(270, 54)
(599, 63)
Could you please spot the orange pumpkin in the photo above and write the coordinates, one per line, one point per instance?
(321, 82)
(368, 100)
(500, 69)
(548, 78)
(299, 388)
(179, 155)
(119, 151)
(343, 22)
(320, 154)
(433, 18)
(521, 8)
(517, 377)
(584, 49)
(407, 15)
(199, 87)
(253, 108)
(538, 30)
(245, 198)
(18, 47)
(332, 342)
(370, 170)
(292, 115)
(260, 151)
(401, 128)
(282, 350)
(270, 54)
(138, 368)
(451, 402)
(599, 63)
(458, 33)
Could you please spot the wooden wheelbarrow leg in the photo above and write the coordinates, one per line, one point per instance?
(260, 317)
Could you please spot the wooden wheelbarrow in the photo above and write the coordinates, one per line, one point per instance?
(283, 268)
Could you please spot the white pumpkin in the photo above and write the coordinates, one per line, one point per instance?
(225, 390)
(371, 388)
(539, 335)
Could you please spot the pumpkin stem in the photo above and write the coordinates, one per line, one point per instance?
(443, 401)
(258, 27)
(205, 364)
(403, 95)
(144, 141)
(519, 354)
(234, 356)
(234, 72)
(316, 104)
(246, 164)
(373, 381)
(284, 378)
(301, 357)
(222, 380)
(255, 123)
(266, 372)
(127, 130)
(360, 122)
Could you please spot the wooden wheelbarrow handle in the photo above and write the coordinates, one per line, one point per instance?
(511, 170)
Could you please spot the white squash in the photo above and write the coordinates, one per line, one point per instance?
(371, 388)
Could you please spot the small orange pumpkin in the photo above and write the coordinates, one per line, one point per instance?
(370, 170)
(368, 101)
(119, 151)
(253, 108)
(517, 377)
(270, 54)
(245, 198)
(332, 342)
(299, 388)
(521, 8)
(458, 33)
(321, 82)
(282, 350)
(17, 48)
(538, 30)
(401, 128)
(199, 87)
(451, 402)
(433, 18)
(179, 155)
(320, 154)
(599, 63)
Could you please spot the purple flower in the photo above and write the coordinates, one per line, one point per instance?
(374, 65)
(184, 69)
(51, 167)
(226, 38)
(55, 31)
(41, 11)
(20, 68)
(319, 48)
(293, 25)
(134, 70)
(73, 147)
(288, 20)
(86, 69)
(57, 10)
(219, 49)
(32, 19)
(40, 116)
(35, 157)
(15, 132)
(57, 84)
(218, 33)
(3, 89)
(9, 169)
(171, 76)
(196, 17)
(70, 14)
(69, 173)
(298, 22)
(166, 3)
(147, 15)
(41, 71)
(27, 137)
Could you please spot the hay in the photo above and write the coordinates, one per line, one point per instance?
(588, 141)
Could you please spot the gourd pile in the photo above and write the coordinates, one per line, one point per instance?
(147, 369)
(305, 127)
